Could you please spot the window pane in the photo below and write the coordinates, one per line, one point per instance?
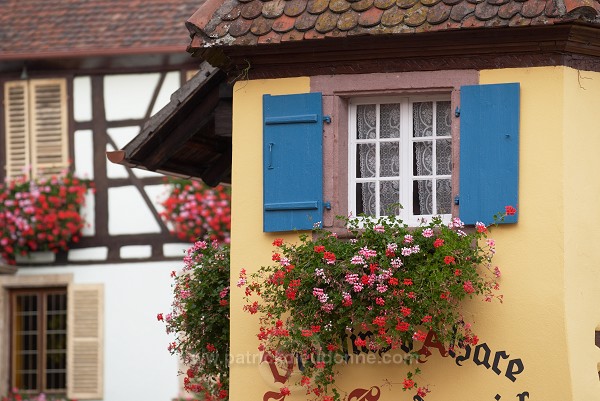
(422, 119)
(389, 159)
(442, 119)
(365, 199)
(389, 194)
(422, 197)
(443, 156)
(365, 121)
(389, 121)
(444, 196)
(422, 158)
(366, 166)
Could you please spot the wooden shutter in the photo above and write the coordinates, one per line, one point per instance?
(85, 342)
(292, 162)
(16, 111)
(489, 151)
(48, 122)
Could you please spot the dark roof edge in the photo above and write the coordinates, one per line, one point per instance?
(179, 97)
(84, 53)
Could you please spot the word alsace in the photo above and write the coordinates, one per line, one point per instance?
(481, 355)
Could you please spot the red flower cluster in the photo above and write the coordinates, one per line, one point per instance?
(195, 211)
(40, 215)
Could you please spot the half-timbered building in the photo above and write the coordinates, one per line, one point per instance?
(77, 79)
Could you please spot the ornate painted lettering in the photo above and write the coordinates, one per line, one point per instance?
(361, 394)
(478, 359)
(499, 354)
(515, 367)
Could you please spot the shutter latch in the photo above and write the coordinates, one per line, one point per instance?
(327, 119)
(327, 205)
(457, 112)
(456, 200)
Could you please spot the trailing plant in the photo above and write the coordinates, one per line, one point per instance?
(194, 210)
(394, 282)
(199, 318)
(40, 214)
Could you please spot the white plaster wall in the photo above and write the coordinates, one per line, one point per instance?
(128, 213)
(137, 365)
(128, 96)
(82, 99)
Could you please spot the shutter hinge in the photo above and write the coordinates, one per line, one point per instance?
(456, 200)
(457, 112)
(327, 205)
(327, 119)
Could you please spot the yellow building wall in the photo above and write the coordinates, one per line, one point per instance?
(250, 247)
(549, 282)
(581, 125)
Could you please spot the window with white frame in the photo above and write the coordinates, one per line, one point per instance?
(400, 157)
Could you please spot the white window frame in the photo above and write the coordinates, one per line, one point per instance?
(406, 141)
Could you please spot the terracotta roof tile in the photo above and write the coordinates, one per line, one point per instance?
(339, 6)
(252, 9)
(283, 24)
(486, 11)
(313, 34)
(273, 9)
(261, 26)
(384, 4)
(551, 9)
(233, 14)
(406, 3)
(461, 10)
(305, 22)
(293, 8)
(271, 37)
(347, 21)
(326, 22)
(317, 6)
(533, 8)
(274, 21)
(69, 26)
(240, 27)
(392, 17)
(438, 14)
(509, 10)
(452, 2)
(362, 5)
(370, 17)
(416, 15)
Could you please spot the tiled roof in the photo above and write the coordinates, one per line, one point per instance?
(57, 26)
(250, 22)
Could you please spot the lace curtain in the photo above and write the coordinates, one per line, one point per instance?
(389, 158)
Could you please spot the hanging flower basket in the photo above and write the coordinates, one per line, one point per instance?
(398, 283)
(199, 318)
(41, 214)
(194, 210)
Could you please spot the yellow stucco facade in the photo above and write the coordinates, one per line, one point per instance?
(550, 281)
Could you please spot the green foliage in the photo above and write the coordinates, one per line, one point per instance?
(200, 319)
(397, 282)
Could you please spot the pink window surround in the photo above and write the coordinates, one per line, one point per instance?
(337, 90)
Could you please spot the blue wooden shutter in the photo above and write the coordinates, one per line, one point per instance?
(489, 151)
(292, 161)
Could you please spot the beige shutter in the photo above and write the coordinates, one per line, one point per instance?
(16, 113)
(85, 342)
(48, 122)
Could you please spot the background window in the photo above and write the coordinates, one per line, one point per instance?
(400, 157)
(36, 127)
(39, 340)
